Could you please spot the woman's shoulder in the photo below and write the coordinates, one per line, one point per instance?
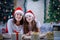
(10, 23)
(38, 24)
(10, 20)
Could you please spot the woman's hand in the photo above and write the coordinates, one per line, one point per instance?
(29, 33)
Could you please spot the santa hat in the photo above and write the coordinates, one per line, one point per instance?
(29, 12)
(17, 10)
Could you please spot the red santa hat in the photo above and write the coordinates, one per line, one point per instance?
(18, 10)
(29, 12)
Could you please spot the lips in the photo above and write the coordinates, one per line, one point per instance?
(29, 19)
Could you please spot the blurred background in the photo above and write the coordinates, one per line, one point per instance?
(47, 12)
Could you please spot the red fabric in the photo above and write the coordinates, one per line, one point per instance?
(30, 11)
(3, 30)
(18, 8)
(16, 34)
(6, 29)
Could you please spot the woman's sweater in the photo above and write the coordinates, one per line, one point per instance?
(13, 27)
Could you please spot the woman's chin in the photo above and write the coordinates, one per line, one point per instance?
(29, 21)
(18, 20)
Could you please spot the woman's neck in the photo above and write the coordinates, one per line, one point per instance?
(29, 24)
(17, 23)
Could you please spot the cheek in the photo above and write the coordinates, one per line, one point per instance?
(15, 17)
(29, 19)
(26, 19)
(32, 18)
(18, 18)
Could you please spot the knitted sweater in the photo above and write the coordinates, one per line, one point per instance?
(13, 27)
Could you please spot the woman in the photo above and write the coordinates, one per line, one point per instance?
(30, 24)
(15, 25)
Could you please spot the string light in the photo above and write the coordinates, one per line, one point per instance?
(53, 2)
(59, 5)
(7, 10)
(0, 7)
(54, 16)
(58, 8)
(5, 2)
(0, 2)
(56, 19)
(11, 10)
(59, 0)
(48, 17)
(58, 13)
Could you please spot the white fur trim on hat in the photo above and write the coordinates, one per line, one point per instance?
(29, 14)
(21, 12)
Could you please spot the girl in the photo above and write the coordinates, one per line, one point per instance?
(16, 23)
(30, 24)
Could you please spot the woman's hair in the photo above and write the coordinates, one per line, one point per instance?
(26, 27)
(21, 22)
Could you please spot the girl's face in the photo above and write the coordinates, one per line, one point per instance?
(29, 18)
(18, 16)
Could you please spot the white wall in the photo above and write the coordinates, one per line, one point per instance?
(20, 3)
(37, 8)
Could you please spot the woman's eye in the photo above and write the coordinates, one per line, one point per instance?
(20, 14)
(17, 14)
(29, 16)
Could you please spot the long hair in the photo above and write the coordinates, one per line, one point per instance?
(26, 27)
(21, 22)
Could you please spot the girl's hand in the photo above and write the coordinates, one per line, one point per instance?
(29, 33)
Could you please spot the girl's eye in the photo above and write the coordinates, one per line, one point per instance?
(20, 14)
(17, 14)
(29, 16)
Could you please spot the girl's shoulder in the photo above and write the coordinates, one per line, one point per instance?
(38, 24)
(10, 20)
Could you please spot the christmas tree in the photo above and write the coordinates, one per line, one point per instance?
(54, 11)
(6, 9)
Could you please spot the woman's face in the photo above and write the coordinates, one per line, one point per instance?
(18, 16)
(29, 18)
